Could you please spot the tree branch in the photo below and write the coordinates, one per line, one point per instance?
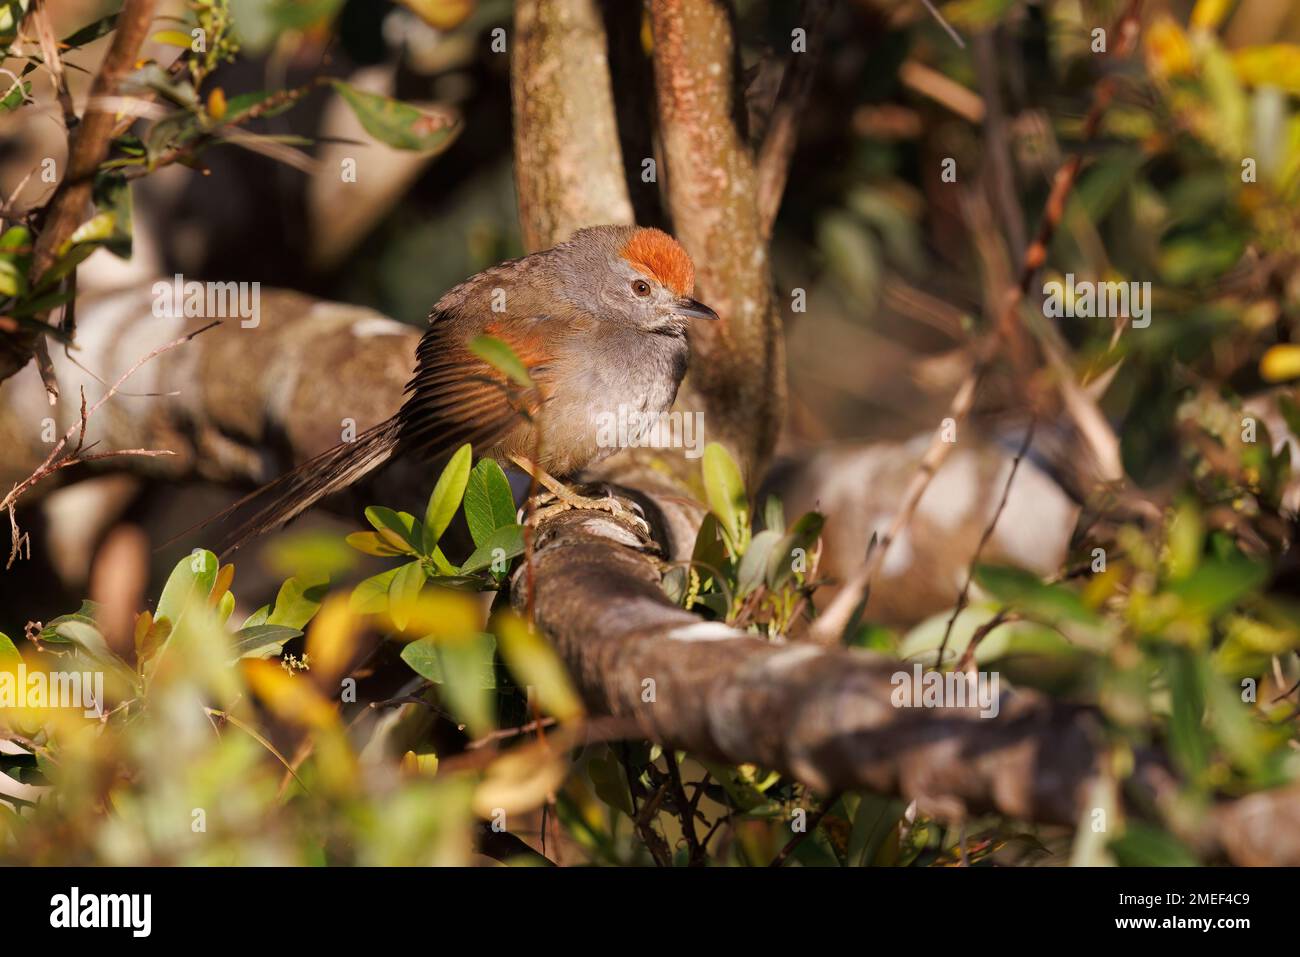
(87, 147)
(568, 165)
(737, 375)
(824, 716)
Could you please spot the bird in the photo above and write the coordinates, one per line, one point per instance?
(597, 320)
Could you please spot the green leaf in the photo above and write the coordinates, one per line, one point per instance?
(16, 96)
(85, 614)
(804, 535)
(465, 671)
(297, 602)
(9, 656)
(774, 515)
(403, 591)
(1025, 591)
(753, 567)
(725, 490)
(610, 782)
(709, 558)
(446, 496)
(1188, 742)
(1218, 584)
(489, 503)
(1144, 846)
(91, 32)
(11, 15)
(380, 544)
(502, 358)
(398, 124)
(85, 636)
(191, 581)
(237, 106)
(509, 541)
(173, 38)
(262, 641)
(258, 617)
(403, 524)
(425, 659)
(226, 607)
(370, 597)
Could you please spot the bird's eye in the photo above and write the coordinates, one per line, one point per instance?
(641, 287)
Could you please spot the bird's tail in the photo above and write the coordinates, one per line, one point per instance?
(294, 492)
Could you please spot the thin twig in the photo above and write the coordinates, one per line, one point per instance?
(685, 810)
(964, 596)
(1004, 616)
(57, 459)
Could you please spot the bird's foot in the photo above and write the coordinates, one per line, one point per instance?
(560, 499)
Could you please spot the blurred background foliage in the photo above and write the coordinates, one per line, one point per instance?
(1176, 615)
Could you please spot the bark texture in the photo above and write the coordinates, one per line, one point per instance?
(825, 715)
(738, 377)
(568, 164)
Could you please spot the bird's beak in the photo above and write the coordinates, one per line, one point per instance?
(693, 309)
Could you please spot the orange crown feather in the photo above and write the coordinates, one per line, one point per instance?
(654, 253)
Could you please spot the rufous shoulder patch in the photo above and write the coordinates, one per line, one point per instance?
(654, 253)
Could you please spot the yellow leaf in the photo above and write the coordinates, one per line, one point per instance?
(225, 575)
(1280, 363)
(217, 104)
(1168, 51)
(1208, 14)
(173, 38)
(1275, 65)
(534, 662)
(438, 613)
(414, 765)
(441, 14)
(291, 698)
(332, 639)
(521, 779)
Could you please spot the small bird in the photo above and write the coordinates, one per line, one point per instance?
(598, 321)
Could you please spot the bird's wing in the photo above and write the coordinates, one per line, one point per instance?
(455, 396)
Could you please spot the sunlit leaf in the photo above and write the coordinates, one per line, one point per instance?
(291, 698)
(501, 546)
(398, 124)
(332, 640)
(1280, 363)
(520, 780)
(446, 496)
(261, 641)
(403, 592)
(296, 602)
(725, 489)
(424, 656)
(370, 597)
(489, 503)
(533, 661)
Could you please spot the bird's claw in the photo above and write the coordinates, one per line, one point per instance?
(552, 503)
